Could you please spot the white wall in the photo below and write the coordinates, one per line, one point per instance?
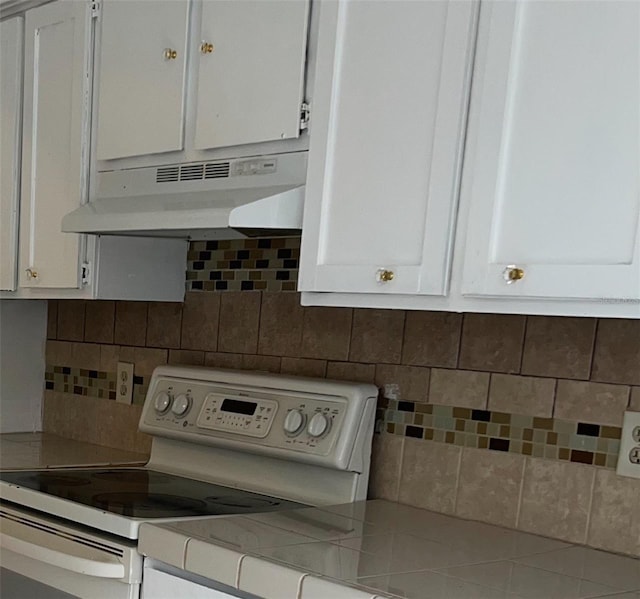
(23, 333)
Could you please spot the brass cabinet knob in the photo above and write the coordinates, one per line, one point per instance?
(170, 54)
(512, 274)
(384, 276)
(206, 48)
(32, 274)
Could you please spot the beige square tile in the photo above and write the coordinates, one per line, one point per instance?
(239, 322)
(131, 323)
(99, 321)
(412, 381)
(634, 400)
(376, 336)
(70, 320)
(200, 318)
(598, 403)
(59, 353)
(429, 475)
(460, 388)
(489, 486)
(326, 333)
(386, 461)
(54, 411)
(264, 363)
(304, 367)
(52, 319)
(558, 346)
(186, 357)
(616, 358)
(528, 395)
(556, 497)
(281, 319)
(351, 371)
(145, 359)
(615, 513)
(222, 360)
(431, 339)
(109, 356)
(85, 355)
(164, 321)
(492, 342)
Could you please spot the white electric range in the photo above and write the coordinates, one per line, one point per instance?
(224, 442)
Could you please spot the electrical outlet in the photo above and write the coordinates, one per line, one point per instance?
(124, 383)
(629, 457)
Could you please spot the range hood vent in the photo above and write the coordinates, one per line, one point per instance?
(205, 200)
(193, 172)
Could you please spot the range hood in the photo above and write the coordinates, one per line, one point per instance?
(220, 199)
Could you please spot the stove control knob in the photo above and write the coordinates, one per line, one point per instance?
(294, 422)
(181, 405)
(318, 425)
(162, 402)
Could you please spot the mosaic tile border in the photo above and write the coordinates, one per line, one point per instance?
(262, 264)
(91, 383)
(550, 438)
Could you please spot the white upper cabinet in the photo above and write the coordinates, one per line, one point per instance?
(551, 170)
(141, 88)
(185, 76)
(54, 150)
(250, 60)
(10, 114)
(389, 106)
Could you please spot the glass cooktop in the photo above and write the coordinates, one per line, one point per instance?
(142, 493)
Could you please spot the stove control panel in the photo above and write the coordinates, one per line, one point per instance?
(291, 420)
(295, 419)
(240, 415)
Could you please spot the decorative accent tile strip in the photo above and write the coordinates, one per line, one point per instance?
(550, 438)
(527, 435)
(244, 264)
(90, 383)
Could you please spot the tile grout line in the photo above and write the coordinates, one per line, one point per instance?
(525, 463)
(591, 494)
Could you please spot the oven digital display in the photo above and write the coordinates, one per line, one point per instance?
(247, 408)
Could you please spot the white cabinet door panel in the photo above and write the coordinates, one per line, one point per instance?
(387, 126)
(54, 136)
(552, 171)
(141, 92)
(10, 116)
(250, 84)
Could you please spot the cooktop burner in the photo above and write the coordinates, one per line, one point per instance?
(147, 504)
(245, 503)
(143, 493)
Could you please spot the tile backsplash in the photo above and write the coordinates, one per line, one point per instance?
(508, 419)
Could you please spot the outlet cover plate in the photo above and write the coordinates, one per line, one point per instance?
(629, 457)
(124, 383)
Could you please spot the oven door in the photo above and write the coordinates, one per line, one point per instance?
(43, 559)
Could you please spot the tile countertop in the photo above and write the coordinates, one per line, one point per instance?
(378, 549)
(31, 451)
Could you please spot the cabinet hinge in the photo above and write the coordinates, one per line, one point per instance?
(95, 9)
(85, 273)
(305, 114)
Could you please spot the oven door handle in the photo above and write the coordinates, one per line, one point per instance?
(60, 559)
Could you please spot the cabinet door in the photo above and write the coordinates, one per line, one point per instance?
(389, 108)
(551, 168)
(251, 60)
(141, 77)
(10, 116)
(56, 90)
